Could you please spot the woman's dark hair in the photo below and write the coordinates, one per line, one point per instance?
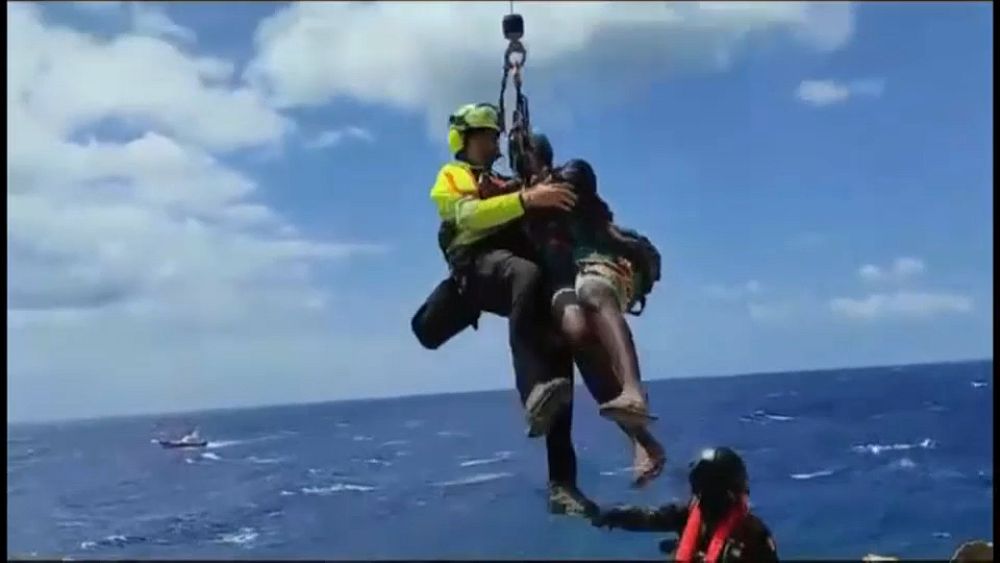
(580, 174)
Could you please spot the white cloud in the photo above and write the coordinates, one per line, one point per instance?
(65, 80)
(142, 266)
(821, 93)
(453, 54)
(901, 304)
(335, 137)
(733, 292)
(152, 20)
(907, 267)
(750, 295)
(902, 268)
(770, 312)
(98, 6)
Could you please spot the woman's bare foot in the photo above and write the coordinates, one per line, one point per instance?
(648, 461)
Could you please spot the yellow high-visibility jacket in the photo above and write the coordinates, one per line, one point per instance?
(471, 219)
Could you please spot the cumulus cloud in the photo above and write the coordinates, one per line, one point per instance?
(901, 269)
(453, 55)
(150, 19)
(137, 249)
(107, 219)
(901, 304)
(335, 137)
(821, 93)
(750, 297)
(733, 292)
(66, 80)
(97, 5)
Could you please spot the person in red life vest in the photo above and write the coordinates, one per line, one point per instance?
(715, 526)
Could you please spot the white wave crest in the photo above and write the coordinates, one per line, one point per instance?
(813, 475)
(761, 415)
(499, 457)
(337, 488)
(618, 471)
(265, 460)
(396, 443)
(475, 479)
(215, 444)
(244, 537)
(877, 449)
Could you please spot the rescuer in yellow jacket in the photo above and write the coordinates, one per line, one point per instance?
(495, 267)
(471, 199)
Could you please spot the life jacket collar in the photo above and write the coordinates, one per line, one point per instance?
(723, 531)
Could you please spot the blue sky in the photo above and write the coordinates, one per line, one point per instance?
(218, 205)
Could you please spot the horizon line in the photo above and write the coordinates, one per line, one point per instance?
(377, 398)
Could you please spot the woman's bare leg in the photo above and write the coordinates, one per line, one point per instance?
(605, 319)
(648, 455)
(594, 363)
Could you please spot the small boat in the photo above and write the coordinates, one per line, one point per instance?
(191, 440)
(172, 444)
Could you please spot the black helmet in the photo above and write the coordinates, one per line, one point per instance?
(542, 148)
(718, 471)
(536, 143)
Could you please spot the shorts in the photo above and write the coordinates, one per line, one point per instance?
(612, 272)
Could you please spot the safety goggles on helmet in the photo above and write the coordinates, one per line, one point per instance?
(468, 118)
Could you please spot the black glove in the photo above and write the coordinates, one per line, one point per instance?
(668, 546)
(609, 519)
(600, 520)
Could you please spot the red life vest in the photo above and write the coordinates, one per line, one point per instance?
(688, 546)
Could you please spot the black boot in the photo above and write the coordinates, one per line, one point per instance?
(544, 403)
(565, 498)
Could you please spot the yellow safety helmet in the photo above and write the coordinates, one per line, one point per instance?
(468, 117)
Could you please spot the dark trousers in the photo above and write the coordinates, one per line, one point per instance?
(503, 282)
(559, 441)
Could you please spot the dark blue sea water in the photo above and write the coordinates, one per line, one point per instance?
(842, 463)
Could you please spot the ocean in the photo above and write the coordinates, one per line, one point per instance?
(895, 461)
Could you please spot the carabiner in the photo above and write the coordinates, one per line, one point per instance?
(515, 48)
